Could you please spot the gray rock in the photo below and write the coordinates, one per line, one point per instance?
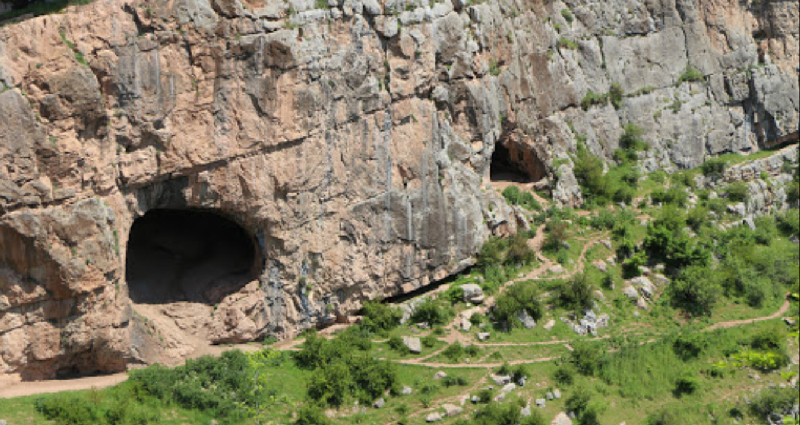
(524, 412)
(630, 292)
(549, 396)
(540, 402)
(379, 403)
(483, 336)
(433, 417)
(557, 269)
(557, 394)
(406, 390)
(466, 325)
(451, 410)
(549, 325)
(413, 344)
(471, 291)
(475, 399)
(561, 419)
(749, 222)
(439, 375)
(507, 388)
(526, 319)
(501, 380)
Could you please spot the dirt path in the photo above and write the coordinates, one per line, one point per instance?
(20, 389)
(734, 323)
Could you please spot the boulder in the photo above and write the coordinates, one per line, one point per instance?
(540, 402)
(561, 419)
(471, 291)
(439, 375)
(501, 380)
(451, 410)
(483, 336)
(556, 394)
(525, 411)
(406, 390)
(379, 403)
(413, 344)
(433, 417)
(549, 325)
(507, 388)
(526, 319)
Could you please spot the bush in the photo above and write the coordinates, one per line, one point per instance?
(567, 15)
(615, 94)
(769, 339)
(565, 43)
(591, 98)
(556, 236)
(766, 230)
(396, 344)
(576, 293)
(311, 414)
(773, 400)
(454, 352)
(690, 345)
(505, 414)
(514, 196)
(695, 290)
(587, 358)
(789, 222)
(690, 74)
(686, 384)
(737, 191)
(430, 312)
(714, 167)
(380, 317)
(67, 409)
(631, 139)
(428, 341)
(517, 298)
(452, 381)
(565, 374)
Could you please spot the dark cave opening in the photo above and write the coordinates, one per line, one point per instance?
(506, 167)
(188, 255)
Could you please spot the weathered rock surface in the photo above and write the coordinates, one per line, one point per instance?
(352, 144)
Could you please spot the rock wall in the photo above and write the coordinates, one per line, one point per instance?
(352, 139)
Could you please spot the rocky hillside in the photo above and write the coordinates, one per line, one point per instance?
(353, 141)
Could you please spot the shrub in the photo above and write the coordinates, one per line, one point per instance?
(714, 167)
(565, 374)
(632, 138)
(67, 409)
(428, 341)
(766, 230)
(737, 191)
(429, 311)
(518, 252)
(556, 235)
(686, 384)
(591, 98)
(690, 74)
(565, 43)
(587, 358)
(380, 317)
(452, 381)
(695, 290)
(773, 400)
(690, 345)
(517, 298)
(567, 15)
(577, 293)
(789, 222)
(615, 94)
(454, 352)
(396, 344)
(312, 414)
(768, 339)
(514, 196)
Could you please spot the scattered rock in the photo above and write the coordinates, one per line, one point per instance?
(433, 417)
(606, 243)
(557, 394)
(521, 381)
(540, 402)
(439, 375)
(600, 265)
(525, 411)
(501, 380)
(406, 390)
(549, 325)
(526, 319)
(561, 419)
(475, 399)
(549, 396)
(483, 336)
(466, 325)
(451, 410)
(471, 292)
(507, 388)
(641, 304)
(379, 403)
(557, 269)
(630, 292)
(750, 223)
(599, 294)
(413, 344)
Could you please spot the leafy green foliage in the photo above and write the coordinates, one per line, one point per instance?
(567, 15)
(737, 191)
(695, 290)
(577, 293)
(615, 95)
(591, 98)
(689, 75)
(312, 414)
(512, 302)
(68, 409)
(431, 312)
(565, 43)
(380, 317)
(514, 196)
(714, 167)
(587, 358)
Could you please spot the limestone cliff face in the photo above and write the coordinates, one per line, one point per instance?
(352, 141)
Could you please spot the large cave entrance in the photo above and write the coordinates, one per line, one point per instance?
(507, 167)
(188, 255)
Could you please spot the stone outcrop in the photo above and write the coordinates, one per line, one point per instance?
(353, 143)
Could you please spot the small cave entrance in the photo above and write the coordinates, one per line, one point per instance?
(515, 165)
(188, 255)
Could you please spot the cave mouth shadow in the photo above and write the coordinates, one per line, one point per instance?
(505, 169)
(188, 255)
